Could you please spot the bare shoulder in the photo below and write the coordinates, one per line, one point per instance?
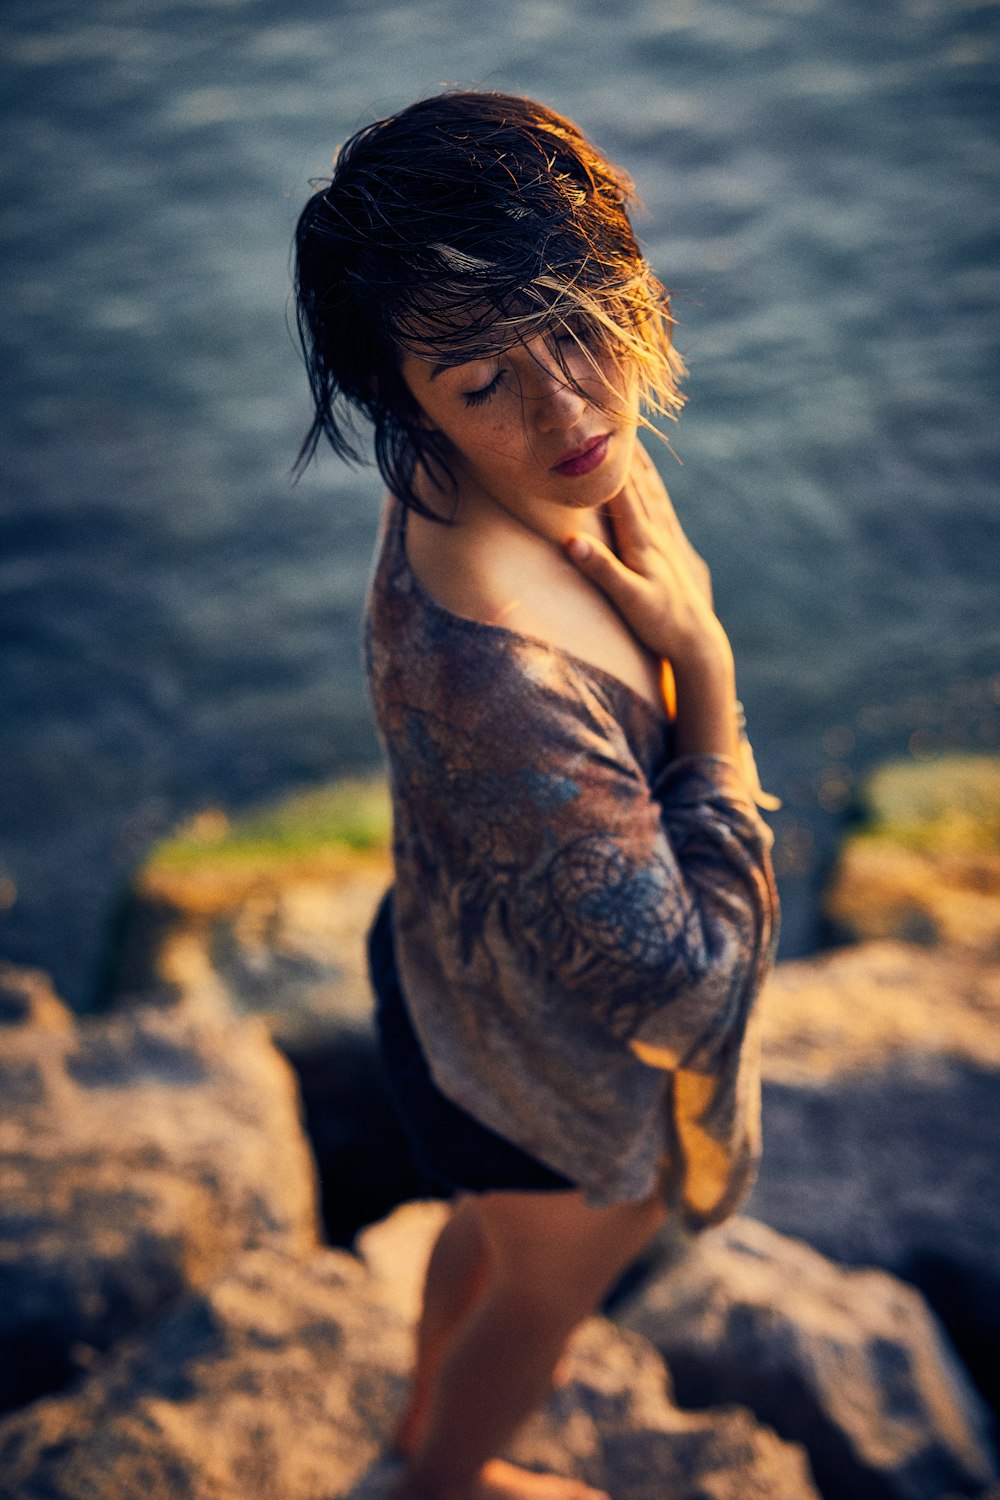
(522, 582)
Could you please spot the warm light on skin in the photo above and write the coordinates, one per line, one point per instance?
(508, 419)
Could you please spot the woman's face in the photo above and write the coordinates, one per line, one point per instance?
(519, 435)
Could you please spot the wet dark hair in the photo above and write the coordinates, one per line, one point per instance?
(453, 230)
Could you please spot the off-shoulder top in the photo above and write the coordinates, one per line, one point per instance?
(582, 920)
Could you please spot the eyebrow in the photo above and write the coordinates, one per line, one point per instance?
(440, 369)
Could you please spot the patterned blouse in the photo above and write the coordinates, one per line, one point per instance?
(582, 920)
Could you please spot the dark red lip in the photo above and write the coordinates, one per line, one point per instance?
(583, 460)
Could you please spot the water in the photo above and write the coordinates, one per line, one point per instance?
(180, 624)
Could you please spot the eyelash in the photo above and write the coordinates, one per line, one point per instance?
(476, 398)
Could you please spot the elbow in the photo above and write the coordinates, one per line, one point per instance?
(737, 954)
(704, 1004)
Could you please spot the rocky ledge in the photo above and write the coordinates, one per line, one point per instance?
(882, 1057)
(172, 1324)
(281, 1379)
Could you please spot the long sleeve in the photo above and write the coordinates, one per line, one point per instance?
(722, 851)
(647, 908)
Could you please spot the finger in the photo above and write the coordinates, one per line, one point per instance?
(643, 461)
(633, 526)
(658, 502)
(666, 518)
(621, 584)
(656, 497)
(645, 523)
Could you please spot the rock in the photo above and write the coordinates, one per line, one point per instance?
(882, 1061)
(850, 1363)
(275, 1381)
(613, 1422)
(615, 1425)
(925, 865)
(396, 1251)
(137, 1155)
(281, 1380)
(267, 915)
(854, 1012)
(881, 1126)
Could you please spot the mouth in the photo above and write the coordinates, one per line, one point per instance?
(584, 459)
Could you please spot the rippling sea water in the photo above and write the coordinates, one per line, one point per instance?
(180, 623)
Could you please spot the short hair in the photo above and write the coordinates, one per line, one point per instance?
(455, 229)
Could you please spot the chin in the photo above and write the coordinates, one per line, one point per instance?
(598, 488)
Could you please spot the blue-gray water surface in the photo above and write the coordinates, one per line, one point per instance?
(180, 623)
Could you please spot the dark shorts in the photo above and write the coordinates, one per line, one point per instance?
(452, 1150)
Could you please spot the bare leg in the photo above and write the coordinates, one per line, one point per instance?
(456, 1275)
(551, 1259)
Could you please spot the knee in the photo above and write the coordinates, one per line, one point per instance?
(459, 1253)
(558, 1258)
(549, 1307)
(553, 1293)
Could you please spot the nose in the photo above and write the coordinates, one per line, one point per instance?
(553, 402)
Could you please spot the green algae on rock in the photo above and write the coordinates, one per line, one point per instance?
(265, 912)
(350, 813)
(950, 804)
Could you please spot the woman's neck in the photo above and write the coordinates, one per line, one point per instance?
(484, 512)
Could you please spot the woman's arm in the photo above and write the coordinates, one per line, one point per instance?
(662, 589)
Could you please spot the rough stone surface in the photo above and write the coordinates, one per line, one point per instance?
(281, 1380)
(254, 1387)
(138, 1154)
(850, 1363)
(882, 1125)
(925, 864)
(883, 890)
(396, 1251)
(280, 938)
(852, 1012)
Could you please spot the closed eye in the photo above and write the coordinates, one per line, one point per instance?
(476, 398)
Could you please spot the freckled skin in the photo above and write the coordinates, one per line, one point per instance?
(521, 419)
(504, 561)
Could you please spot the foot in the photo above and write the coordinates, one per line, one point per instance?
(499, 1480)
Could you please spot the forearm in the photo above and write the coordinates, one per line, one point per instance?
(705, 689)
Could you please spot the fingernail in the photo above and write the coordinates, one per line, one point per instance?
(579, 549)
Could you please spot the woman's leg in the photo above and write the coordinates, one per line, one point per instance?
(456, 1274)
(551, 1259)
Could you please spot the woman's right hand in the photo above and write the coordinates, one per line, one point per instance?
(662, 590)
(654, 577)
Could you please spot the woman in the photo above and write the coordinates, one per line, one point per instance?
(583, 908)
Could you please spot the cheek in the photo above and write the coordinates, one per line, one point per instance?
(626, 384)
(493, 435)
(619, 382)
